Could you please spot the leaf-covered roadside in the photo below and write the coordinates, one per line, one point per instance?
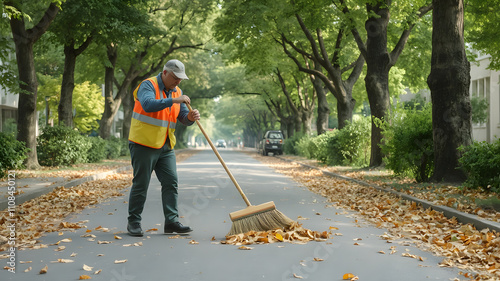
(47, 213)
(473, 201)
(462, 245)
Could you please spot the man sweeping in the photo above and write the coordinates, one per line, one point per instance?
(159, 104)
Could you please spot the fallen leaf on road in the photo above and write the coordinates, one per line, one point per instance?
(412, 256)
(63, 261)
(84, 277)
(28, 269)
(193, 242)
(118, 237)
(318, 259)
(44, 270)
(97, 271)
(135, 244)
(120, 261)
(245, 248)
(104, 242)
(298, 276)
(279, 237)
(103, 229)
(87, 268)
(152, 229)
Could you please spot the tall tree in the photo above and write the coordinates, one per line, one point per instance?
(75, 28)
(24, 39)
(449, 82)
(379, 59)
(333, 81)
(174, 25)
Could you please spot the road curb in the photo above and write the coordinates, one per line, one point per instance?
(462, 217)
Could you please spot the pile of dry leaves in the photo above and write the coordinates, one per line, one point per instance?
(294, 233)
(462, 245)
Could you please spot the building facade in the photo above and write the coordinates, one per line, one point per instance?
(485, 85)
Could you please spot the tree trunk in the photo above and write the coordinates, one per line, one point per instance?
(377, 76)
(128, 109)
(307, 117)
(27, 119)
(449, 83)
(24, 41)
(65, 108)
(323, 107)
(111, 103)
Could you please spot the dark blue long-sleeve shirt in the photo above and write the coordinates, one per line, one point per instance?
(147, 97)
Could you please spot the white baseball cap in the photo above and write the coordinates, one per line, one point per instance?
(177, 68)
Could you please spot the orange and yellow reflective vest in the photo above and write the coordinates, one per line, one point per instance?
(152, 128)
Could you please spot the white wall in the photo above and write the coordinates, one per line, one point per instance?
(484, 82)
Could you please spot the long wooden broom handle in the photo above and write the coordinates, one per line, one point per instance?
(222, 161)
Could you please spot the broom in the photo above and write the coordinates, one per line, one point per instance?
(261, 217)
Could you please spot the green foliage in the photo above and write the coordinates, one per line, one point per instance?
(481, 163)
(10, 127)
(124, 150)
(352, 146)
(89, 105)
(12, 153)
(88, 102)
(97, 151)
(321, 146)
(349, 146)
(61, 145)
(290, 145)
(113, 147)
(482, 22)
(479, 108)
(408, 142)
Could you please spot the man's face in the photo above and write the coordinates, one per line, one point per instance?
(170, 80)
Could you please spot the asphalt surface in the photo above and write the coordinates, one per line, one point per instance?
(206, 197)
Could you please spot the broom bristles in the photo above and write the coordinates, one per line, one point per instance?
(262, 221)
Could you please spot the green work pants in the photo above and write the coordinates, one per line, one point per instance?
(145, 160)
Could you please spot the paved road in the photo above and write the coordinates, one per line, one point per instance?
(206, 197)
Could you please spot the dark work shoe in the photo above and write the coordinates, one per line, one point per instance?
(134, 229)
(176, 227)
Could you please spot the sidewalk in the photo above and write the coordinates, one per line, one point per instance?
(30, 188)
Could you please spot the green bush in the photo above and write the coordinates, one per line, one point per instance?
(408, 142)
(481, 163)
(97, 151)
(349, 146)
(289, 147)
(12, 153)
(352, 144)
(302, 147)
(61, 145)
(113, 147)
(124, 150)
(320, 147)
